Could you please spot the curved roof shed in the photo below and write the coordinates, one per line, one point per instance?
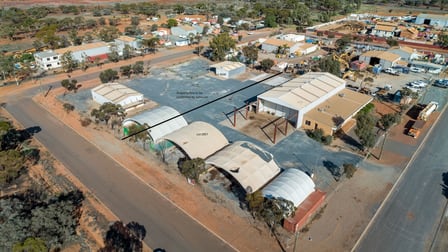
(156, 116)
(198, 139)
(250, 165)
(292, 184)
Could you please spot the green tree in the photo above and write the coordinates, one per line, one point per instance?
(113, 55)
(266, 64)
(70, 85)
(138, 68)
(11, 163)
(47, 34)
(68, 107)
(343, 42)
(179, 9)
(108, 111)
(127, 52)
(365, 124)
(139, 133)
(151, 44)
(328, 64)
(255, 202)
(269, 21)
(221, 45)
(192, 168)
(126, 70)
(108, 33)
(108, 75)
(387, 120)
(171, 22)
(31, 244)
(392, 42)
(124, 238)
(349, 170)
(251, 53)
(135, 20)
(442, 39)
(68, 63)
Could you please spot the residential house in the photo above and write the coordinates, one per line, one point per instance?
(385, 29)
(47, 60)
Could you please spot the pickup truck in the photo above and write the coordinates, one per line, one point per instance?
(415, 129)
(392, 71)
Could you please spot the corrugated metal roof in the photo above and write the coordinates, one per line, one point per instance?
(435, 16)
(342, 105)
(115, 92)
(227, 65)
(385, 28)
(250, 165)
(81, 47)
(278, 42)
(198, 140)
(300, 92)
(382, 55)
(156, 116)
(45, 54)
(126, 38)
(293, 185)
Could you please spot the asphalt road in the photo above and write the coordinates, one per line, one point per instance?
(129, 198)
(409, 218)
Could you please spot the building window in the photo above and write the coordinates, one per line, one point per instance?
(59, 63)
(308, 123)
(55, 57)
(48, 59)
(48, 65)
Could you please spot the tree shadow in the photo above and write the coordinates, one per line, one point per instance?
(445, 184)
(33, 130)
(333, 169)
(347, 139)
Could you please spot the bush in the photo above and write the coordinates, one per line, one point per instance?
(85, 121)
(349, 170)
(318, 135)
(327, 139)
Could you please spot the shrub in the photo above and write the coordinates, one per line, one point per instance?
(349, 170)
(85, 121)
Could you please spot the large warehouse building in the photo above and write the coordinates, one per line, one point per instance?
(117, 94)
(169, 119)
(313, 100)
(383, 58)
(250, 165)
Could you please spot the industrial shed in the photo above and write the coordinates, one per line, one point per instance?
(117, 94)
(432, 19)
(292, 184)
(406, 53)
(296, 97)
(154, 117)
(332, 114)
(87, 51)
(198, 140)
(384, 58)
(250, 165)
(271, 45)
(228, 69)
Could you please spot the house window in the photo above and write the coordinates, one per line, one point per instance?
(59, 63)
(308, 123)
(48, 65)
(48, 59)
(55, 57)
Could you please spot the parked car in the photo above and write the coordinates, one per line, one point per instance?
(435, 71)
(416, 69)
(419, 83)
(391, 71)
(443, 83)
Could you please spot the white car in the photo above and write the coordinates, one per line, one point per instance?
(416, 69)
(391, 71)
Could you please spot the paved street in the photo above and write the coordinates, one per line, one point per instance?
(409, 219)
(129, 198)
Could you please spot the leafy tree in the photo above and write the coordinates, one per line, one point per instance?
(67, 62)
(343, 42)
(251, 53)
(108, 33)
(255, 202)
(349, 170)
(442, 40)
(68, 107)
(171, 22)
(13, 138)
(102, 21)
(388, 120)
(151, 44)
(137, 68)
(108, 75)
(392, 42)
(139, 133)
(132, 30)
(135, 20)
(126, 70)
(179, 9)
(47, 34)
(269, 21)
(11, 163)
(266, 64)
(113, 56)
(192, 168)
(124, 238)
(154, 27)
(127, 52)
(31, 244)
(328, 64)
(70, 85)
(365, 124)
(221, 45)
(108, 111)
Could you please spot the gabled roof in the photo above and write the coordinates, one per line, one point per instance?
(250, 165)
(382, 55)
(278, 42)
(81, 47)
(126, 38)
(198, 140)
(292, 184)
(156, 116)
(302, 91)
(227, 65)
(45, 54)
